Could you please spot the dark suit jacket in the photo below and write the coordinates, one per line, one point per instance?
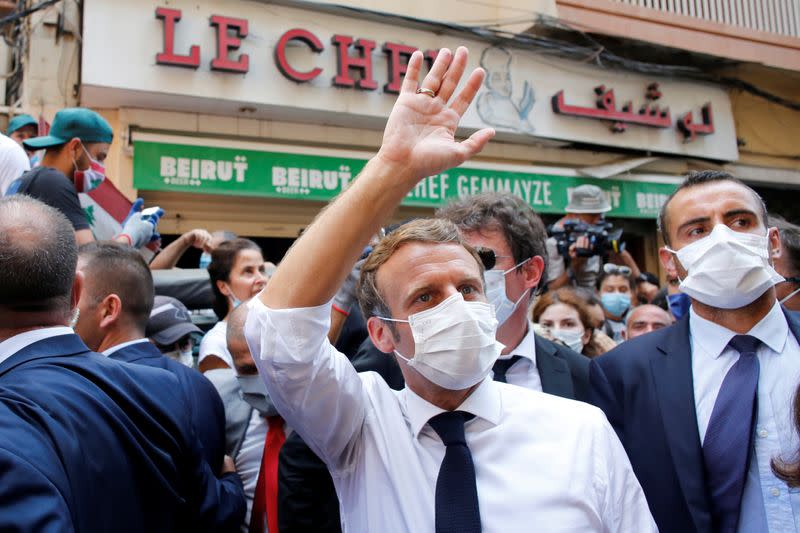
(306, 495)
(205, 406)
(645, 386)
(91, 444)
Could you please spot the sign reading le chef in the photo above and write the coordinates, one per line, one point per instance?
(300, 65)
(248, 169)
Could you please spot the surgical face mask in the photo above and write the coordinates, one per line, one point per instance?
(794, 292)
(233, 299)
(254, 392)
(727, 269)
(88, 179)
(205, 260)
(679, 304)
(454, 342)
(572, 338)
(616, 303)
(184, 357)
(496, 293)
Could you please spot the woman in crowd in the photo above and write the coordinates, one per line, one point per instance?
(567, 317)
(237, 274)
(616, 289)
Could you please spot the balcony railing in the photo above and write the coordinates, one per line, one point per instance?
(781, 17)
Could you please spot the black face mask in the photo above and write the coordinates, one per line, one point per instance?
(254, 392)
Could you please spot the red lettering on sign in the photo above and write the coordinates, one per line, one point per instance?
(230, 32)
(168, 56)
(346, 62)
(286, 69)
(397, 56)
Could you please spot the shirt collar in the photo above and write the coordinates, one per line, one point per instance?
(123, 345)
(526, 347)
(16, 343)
(484, 402)
(772, 330)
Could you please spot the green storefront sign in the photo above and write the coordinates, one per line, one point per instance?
(246, 172)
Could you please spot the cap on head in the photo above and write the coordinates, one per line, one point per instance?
(169, 321)
(85, 124)
(20, 121)
(588, 199)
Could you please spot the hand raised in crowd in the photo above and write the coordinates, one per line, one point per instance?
(198, 238)
(420, 132)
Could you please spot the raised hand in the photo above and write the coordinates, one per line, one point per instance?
(420, 132)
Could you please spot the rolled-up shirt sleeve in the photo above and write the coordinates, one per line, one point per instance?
(314, 387)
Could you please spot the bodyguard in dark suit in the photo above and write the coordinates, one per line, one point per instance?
(511, 238)
(114, 310)
(703, 406)
(88, 444)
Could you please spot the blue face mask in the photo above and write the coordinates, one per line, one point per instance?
(679, 304)
(616, 303)
(205, 260)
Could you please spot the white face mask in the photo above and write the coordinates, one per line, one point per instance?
(182, 356)
(496, 293)
(573, 339)
(454, 344)
(727, 269)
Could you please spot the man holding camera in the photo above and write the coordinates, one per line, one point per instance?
(586, 206)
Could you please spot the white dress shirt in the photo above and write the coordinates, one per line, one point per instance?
(123, 345)
(541, 461)
(767, 504)
(524, 372)
(16, 343)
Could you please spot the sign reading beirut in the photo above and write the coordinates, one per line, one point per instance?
(181, 165)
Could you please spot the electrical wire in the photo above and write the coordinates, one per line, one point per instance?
(18, 15)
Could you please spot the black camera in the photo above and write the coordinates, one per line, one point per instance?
(603, 238)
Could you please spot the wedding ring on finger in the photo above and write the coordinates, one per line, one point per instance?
(427, 92)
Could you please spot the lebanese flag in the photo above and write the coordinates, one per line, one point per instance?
(106, 208)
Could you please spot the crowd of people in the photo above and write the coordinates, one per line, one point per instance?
(459, 373)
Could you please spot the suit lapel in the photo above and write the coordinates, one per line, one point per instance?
(793, 318)
(553, 370)
(61, 345)
(672, 375)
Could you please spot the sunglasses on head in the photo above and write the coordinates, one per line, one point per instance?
(612, 269)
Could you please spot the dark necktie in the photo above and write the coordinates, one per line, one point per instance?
(501, 367)
(456, 492)
(726, 447)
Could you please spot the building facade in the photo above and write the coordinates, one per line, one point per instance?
(249, 115)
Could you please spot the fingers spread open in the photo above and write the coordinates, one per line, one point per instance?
(434, 78)
(411, 78)
(454, 73)
(467, 94)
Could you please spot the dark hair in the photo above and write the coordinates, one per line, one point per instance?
(789, 471)
(38, 255)
(704, 177)
(790, 241)
(507, 213)
(112, 268)
(605, 275)
(222, 260)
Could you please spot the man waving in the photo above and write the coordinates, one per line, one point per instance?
(454, 451)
